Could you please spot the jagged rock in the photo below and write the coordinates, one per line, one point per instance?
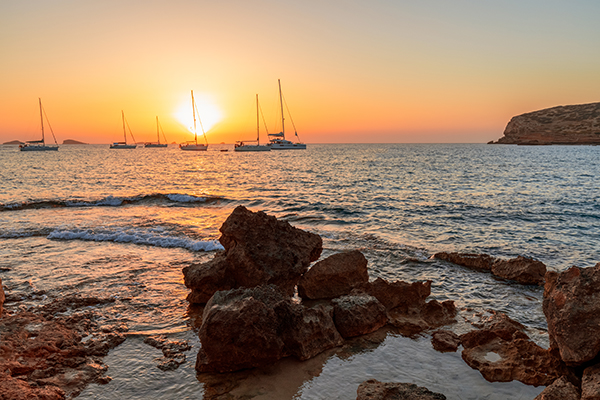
(172, 351)
(247, 328)
(19, 389)
(445, 341)
(375, 390)
(358, 314)
(502, 352)
(590, 383)
(334, 276)
(397, 294)
(259, 250)
(2, 298)
(307, 332)
(474, 261)
(207, 278)
(573, 124)
(521, 269)
(572, 308)
(560, 389)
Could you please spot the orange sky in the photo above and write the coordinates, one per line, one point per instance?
(351, 71)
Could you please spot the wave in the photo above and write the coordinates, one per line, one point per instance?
(137, 237)
(111, 201)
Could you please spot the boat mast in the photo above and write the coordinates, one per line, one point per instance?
(281, 103)
(194, 111)
(257, 123)
(157, 135)
(42, 120)
(124, 131)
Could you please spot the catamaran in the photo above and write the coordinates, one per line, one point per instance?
(124, 145)
(158, 143)
(194, 146)
(278, 140)
(243, 146)
(40, 145)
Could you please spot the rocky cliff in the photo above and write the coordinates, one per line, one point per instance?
(575, 124)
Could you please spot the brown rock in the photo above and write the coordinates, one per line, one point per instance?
(590, 384)
(502, 352)
(469, 260)
(18, 389)
(445, 341)
(307, 332)
(375, 390)
(206, 279)
(398, 294)
(247, 328)
(334, 276)
(358, 314)
(573, 124)
(2, 298)
(521, 269)
(560, 389)
(259, 250)
(572, 308)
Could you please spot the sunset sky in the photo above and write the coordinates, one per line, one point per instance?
(351, 71)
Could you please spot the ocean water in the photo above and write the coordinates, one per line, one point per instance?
(91, 221)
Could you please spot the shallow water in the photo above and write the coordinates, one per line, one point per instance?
(123, 223)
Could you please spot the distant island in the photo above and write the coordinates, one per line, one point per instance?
(573, 124)
(14, 142)
(71, 141)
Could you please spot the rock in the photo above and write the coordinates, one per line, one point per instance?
(474, 261)
(259, 250)
(573, 124)
(247, 328)
(375, 390)
(398, 294)
(172, 351)
(502, 352)
(358, 314)
(2, 298)
(208, 278)
(590, 383)
(560, 389)
(334, 276)
(445, 341)
(572, 308)
(19, 389)
(521, 269)
(307, 332)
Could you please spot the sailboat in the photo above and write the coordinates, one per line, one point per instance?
(242, 146)
(124, 145)
(40, 145)
(277, 140)
(158, 143)
(194, 146)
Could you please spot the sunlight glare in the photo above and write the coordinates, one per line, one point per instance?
(209, 113)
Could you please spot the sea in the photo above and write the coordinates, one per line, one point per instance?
(121, 224)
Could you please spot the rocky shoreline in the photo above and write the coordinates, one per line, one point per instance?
(262, 301)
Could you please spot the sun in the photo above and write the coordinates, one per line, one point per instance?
(209, 114)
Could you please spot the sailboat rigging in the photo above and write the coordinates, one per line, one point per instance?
(124, 145)
(242, 146)
(40, 145)
(278, 140)
(158, 143)
(194, 146)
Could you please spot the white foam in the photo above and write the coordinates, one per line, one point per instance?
(137, 237)
(185, 198)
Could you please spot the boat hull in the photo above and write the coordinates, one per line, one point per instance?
(38, 148)
(287, 146)
(193, 147)
(251, 148)
(154, 145)
(123, 146)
